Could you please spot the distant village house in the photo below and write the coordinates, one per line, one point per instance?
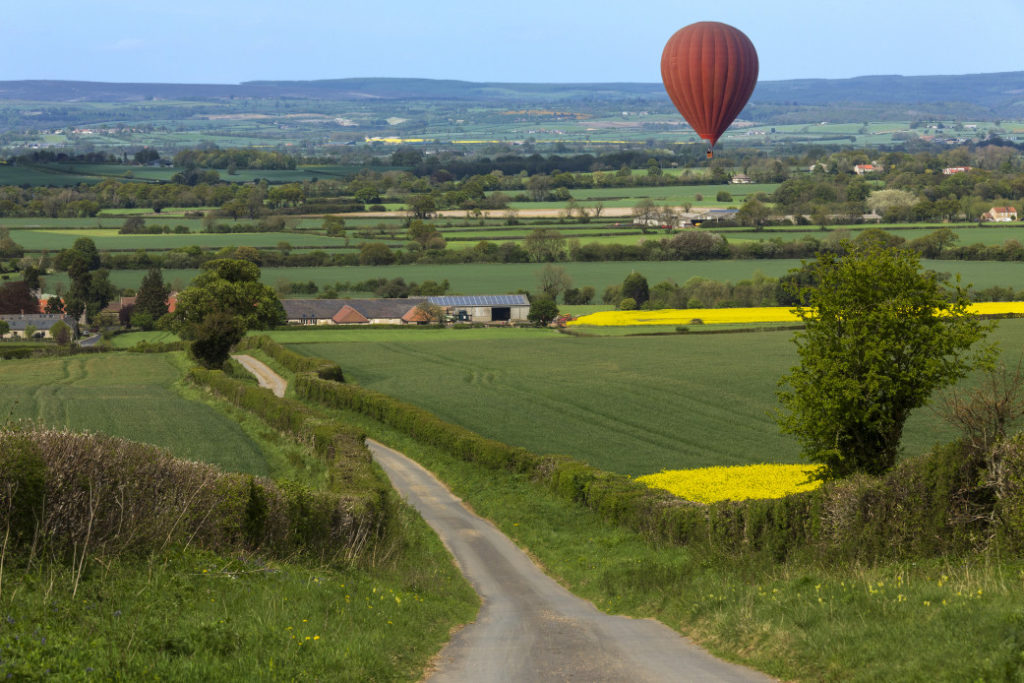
(1000, 214)
(40, 323)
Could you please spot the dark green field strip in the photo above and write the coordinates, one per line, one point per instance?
(125, 395)
(50, 239)
(630, 405)
(483, 278)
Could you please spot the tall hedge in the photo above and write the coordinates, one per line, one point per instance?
(341, 446)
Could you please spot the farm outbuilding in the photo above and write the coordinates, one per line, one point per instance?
(354, 311)
(486, 308)
(18, 323)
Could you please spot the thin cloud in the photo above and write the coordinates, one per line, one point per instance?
(126, 45)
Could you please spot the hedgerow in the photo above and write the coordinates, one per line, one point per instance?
(341, 446)
(69, 494)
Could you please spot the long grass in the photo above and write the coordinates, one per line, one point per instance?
(183, 614)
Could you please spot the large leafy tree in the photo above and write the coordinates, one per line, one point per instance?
(90, 290)
(880, 336)
(232, 286)
(17, 297)
(635, 287)
(224, 301)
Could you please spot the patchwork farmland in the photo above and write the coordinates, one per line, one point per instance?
(634, 405)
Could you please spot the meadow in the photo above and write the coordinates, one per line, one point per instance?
(132, 396)
(633, 405)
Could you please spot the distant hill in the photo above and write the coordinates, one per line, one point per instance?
(997, 95)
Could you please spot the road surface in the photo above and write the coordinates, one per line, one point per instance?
(264, 375)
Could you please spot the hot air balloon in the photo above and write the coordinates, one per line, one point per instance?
(709, 70)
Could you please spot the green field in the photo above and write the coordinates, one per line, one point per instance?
(127, 395)
(484, 278)
(108, 239)
(633, 405)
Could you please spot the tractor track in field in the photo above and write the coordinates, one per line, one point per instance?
(530, 628)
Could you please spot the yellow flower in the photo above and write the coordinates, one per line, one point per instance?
(713, 484)
(762, 314)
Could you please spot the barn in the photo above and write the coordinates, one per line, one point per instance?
(485, 308)
(353, 311)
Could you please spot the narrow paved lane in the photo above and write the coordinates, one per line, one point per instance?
(264, 375)
(530, 628)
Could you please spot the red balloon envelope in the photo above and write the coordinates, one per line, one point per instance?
(709, 70)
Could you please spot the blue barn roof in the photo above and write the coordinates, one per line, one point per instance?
(487, 300)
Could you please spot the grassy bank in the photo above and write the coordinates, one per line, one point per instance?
(184, 614)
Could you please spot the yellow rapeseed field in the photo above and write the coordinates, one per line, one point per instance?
(714, 484)
(763, 314)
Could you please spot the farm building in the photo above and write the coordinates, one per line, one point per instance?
(40, 322)
(485, 309)
(353, 311)
(495, 308)
(1000, 214)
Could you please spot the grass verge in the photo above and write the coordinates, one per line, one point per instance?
(183, 614)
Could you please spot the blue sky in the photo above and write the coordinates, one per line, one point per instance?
(229, 41)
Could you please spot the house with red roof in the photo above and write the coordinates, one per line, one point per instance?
(1000, 214)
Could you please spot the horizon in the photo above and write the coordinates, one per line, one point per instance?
(233, 42)
(462, 80)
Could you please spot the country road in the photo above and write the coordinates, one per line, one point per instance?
(529, 627)
(264, 375)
